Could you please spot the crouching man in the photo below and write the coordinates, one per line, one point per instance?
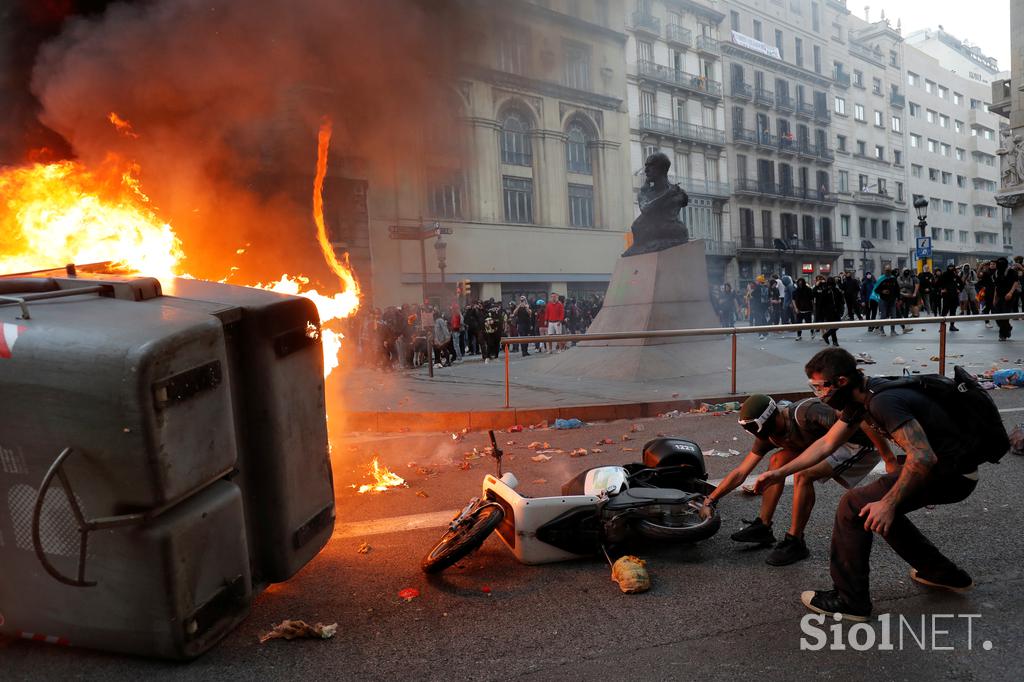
(788, 431)
(935, 472)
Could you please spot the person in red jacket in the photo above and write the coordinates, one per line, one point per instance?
(555, 314)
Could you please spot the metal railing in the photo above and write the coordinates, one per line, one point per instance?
(674, 33)
(690, 81)
(680, 129)
(648, 22)
(734, 332)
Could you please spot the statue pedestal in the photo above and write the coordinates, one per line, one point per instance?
(654, 291)
(662, 290)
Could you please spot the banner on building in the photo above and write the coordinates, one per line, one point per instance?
(755, 45)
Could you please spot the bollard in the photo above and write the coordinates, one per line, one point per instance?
(506, 376)
(942, 347)
(734, 360)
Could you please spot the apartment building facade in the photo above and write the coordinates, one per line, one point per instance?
(535, 183)
(777, 64)
(676, 97)
(952, 140)
(868, 108)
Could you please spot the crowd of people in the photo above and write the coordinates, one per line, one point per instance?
(408, 336)
(991, 287)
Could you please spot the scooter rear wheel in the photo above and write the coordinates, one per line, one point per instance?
(684, 528)
(466, 537)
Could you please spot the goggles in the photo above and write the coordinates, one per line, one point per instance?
(755, 426)
(821, 389)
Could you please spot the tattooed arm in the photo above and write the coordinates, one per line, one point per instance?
(920, 460)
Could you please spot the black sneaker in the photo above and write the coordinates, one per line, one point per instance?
(791, 550)
(957, 581)
(828, 602)
(755, 532)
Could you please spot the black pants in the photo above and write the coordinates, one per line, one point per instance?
(1003, 306)
(490, 345)
(950, 304)
(851, 544)
(803, 317)
(472, 344)
(852, 308)
(830, 333)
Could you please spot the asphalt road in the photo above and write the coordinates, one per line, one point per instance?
(715, 611)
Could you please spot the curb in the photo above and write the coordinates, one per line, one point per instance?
(483, 420)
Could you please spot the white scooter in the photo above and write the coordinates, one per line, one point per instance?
(599, 508)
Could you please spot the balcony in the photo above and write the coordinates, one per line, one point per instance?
(897, 100)
(752, 243)
(744, 137)
(874, 199)
(787, 143)
(682, 131)
(841, 78)
(708, 188)
(681, 79)
(823, 116)
(783, 102)
(742, 91)
(804, 110)
(708, 45)
(784, 191)
(766, 140)
(825, 155)
(807, 149)
(714, 247)
(647, 23)
(764, 97)
(678, 36)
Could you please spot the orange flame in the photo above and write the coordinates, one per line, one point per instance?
(61, 213)
(123, 126)
(383, 479)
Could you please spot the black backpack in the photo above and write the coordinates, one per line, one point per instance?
(968, 405)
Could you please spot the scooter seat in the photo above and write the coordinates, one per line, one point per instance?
(643, 496)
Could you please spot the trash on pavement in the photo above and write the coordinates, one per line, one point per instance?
(539, 481)
(899, 361)
(515, 429)
(864, 359)
(568, 423)
(634, 428)
(606, 441)
(294, 629)
(409, 593)
(579, 452)
(670, 414)
(596, 451)
(626, 437)
(630, 573)
(537, 445)
(422, 493)
(465, 466)
(364, 548)
(541, 458)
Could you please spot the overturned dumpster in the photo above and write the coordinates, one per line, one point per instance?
(163, 457)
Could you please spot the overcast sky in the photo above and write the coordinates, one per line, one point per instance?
(985, 23)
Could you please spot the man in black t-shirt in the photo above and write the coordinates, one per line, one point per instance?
(784, 432)
(936, 472)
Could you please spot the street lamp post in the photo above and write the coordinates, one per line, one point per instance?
(921, 206)
(865, 244)
(441, 247)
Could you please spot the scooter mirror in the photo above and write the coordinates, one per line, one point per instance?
(495, 451)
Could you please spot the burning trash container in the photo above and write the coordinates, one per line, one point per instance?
(161, 458)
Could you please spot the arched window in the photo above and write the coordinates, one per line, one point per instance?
(515, 140)
(577, 149)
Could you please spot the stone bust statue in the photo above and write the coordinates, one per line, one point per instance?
(658, 226)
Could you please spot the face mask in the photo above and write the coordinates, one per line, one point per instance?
(835, 396)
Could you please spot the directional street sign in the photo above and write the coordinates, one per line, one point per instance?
(924, 247)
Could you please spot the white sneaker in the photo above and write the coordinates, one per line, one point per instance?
(487, 360)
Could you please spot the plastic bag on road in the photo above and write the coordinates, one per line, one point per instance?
(568, 423)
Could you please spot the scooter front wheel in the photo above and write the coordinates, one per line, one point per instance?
(687, 527)
(467, 536)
